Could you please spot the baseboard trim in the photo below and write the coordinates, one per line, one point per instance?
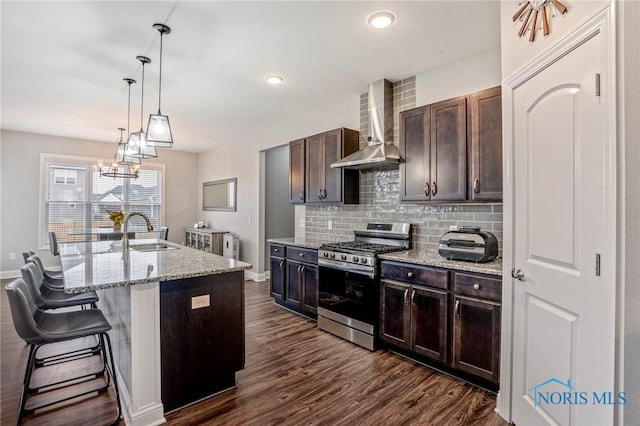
(256, 276)
(10, 274)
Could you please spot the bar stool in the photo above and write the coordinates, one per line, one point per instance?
(38, 328)
(53, 244)
(45, 298)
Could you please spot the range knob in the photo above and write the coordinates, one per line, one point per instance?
(325, 254)
(343, 257)
(332, 255)
(355, 259)
(363, 260)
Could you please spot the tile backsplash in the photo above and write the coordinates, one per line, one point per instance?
(379, 198)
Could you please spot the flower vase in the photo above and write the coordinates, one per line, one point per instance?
(117, 226)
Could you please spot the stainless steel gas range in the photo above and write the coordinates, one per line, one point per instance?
(349, 282)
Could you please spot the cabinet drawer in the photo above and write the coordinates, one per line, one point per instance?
(277, 250)
(478, 286)
(302, 255)
(415, 274)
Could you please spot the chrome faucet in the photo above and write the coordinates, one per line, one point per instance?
(125, 225)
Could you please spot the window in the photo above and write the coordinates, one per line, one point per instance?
(75, 198)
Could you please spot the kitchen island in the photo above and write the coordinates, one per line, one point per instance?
(177, 316)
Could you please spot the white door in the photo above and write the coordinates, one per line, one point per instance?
(563, 335)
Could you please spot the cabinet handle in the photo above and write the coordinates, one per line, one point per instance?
(276, 250)
(457, 309)
(476, 185)
(301, 195)
(301, 254)
(476, 286)
(413, 296)
(406, 300)
(434, 188)
(282, 265)
(324, 194)
(320, 194)
(427, 189)
(409, 274)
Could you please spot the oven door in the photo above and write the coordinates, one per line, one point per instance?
(353, 294)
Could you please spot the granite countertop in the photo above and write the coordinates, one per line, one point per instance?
(434, 259)
(312, 243)
(104, 264)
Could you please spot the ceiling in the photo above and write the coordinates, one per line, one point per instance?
(63, 63)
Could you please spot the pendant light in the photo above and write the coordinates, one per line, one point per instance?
(116, 170)
(122, 157)
(138, 141)
(158, 128)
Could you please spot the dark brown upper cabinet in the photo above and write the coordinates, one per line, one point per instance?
(452, 150)
(433, 141)
(485, 174)
(296, 172)
(322, 184)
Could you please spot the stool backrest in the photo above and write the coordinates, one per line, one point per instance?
(53, 243)
(24, 311)
(35, 259)
(33, 278)
(27, 254)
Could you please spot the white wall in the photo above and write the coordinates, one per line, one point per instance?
(517, 51)
(242, 163)
(468, 75)
(20, 174)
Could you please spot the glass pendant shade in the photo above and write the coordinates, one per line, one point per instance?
(138, 147)
(122, 157)
(159, 131)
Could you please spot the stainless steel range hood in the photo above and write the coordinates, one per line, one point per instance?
(380, 151)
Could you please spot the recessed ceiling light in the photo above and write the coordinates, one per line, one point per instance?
(274, 79)
(381, 19)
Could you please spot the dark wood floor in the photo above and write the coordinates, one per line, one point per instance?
(294, 375)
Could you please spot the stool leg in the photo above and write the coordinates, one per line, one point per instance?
(112, 371)
(27, 379)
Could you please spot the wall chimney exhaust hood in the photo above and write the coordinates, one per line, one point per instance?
(380, 151)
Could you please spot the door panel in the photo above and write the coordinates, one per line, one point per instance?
(564, 323)
(277, 278)
(296, 172)
(414, 149)
(486, 145)
(395, 312)
(310, 288)
(552, 122)
(429, 322)
(293, 281)
(332, 142)
(449, 150)
(314, 168)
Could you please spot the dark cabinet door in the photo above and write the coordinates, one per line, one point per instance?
(395, 313)
(293, 283)
(296, 172)
(277, 278)
(486, 145)
(415, 178)
(332, 146)
(448, 144)
(429, 322)
(314, 169)
(310, 288)
(476, 338)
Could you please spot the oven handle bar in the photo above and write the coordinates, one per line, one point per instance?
(348, 267)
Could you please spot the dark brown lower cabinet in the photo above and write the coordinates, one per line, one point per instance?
(476, 337)
(302, 286)
(277, 278)
(293, 283)
(201, 336)
(414, 317)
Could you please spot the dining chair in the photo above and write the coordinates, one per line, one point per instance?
(163, 233)
(39, 328)
(53, 243)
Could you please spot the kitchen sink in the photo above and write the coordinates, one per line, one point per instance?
(152, 247)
